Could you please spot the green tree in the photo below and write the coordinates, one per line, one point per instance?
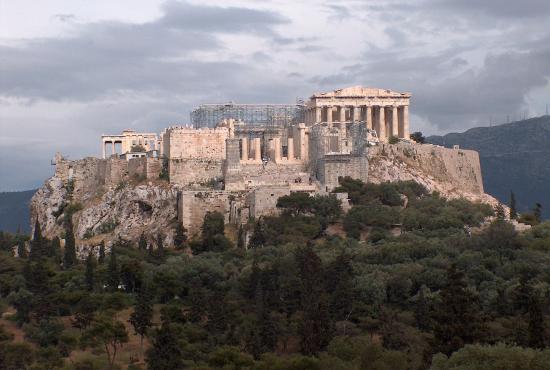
(537, 212)
(418, 137)
(21, 249)
(315, 326)
(142, 317)
(69, 256)
(339, 282)
(37, 243)
(101, 254)
(536, 330)
(180, 236)
(108, 334)
(89, 274)
(142, 243)
(16, 356)
(457, 317)
(113, 273)
(513, 207)
(166, 351)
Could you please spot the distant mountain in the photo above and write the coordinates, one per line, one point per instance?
(14, 210)
(514, 156)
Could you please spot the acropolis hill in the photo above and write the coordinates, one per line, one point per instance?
(239, 159)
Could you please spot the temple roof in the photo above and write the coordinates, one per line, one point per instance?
(360, 91)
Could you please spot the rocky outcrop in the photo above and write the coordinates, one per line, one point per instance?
(454, 173)
(109, 212)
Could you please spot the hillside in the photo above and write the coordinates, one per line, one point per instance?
(14, 210)
(514, 156)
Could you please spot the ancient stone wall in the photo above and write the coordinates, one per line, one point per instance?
(189, 143)
(193, 206)
(263, 201)
(331, 167)
(270, 174)
(144, 168)
(194, 172)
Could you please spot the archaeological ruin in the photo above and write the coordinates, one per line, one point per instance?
(257, 153)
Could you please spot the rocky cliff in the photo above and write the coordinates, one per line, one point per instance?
(102, 209)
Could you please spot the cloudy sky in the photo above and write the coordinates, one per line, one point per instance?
(71, 70)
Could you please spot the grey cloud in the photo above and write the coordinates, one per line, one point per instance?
(106, 58)
(498, 8)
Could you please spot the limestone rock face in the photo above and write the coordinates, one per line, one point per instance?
(107, 213)
(452, 173)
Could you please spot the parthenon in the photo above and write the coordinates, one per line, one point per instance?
(384, 111)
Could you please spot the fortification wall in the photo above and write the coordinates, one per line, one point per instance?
(193, 206)
(331, 167)
(263, 201)
(442, 169)
(188, 172)
(145, 168)
(182, 142)
(270, 174)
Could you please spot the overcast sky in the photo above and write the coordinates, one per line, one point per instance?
(71, 70)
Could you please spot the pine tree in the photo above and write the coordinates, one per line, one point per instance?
(37, 243)
(160, 246)
(90, 272)
(339, 280)
(55, 250)
(536, 323)
(457, 320)
(69, 256)
(141, 318)
(21, 249)
(422, 309)
(180, 237)
(101, 254)
(142, 243)
(166, 351)
(113, 274)
(499, 211)
(513, 209)
(315, 327)
(537, 212)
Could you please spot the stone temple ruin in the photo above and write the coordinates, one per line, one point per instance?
(255, 154)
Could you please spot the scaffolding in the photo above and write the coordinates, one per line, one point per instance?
(209, 115)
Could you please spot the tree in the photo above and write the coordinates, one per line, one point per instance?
(339, 281)
(535, 329)
(499, 211)
(160, 245)
(166, 351)
(108, 333)
(141, 318)
(418, 137)
(537, 212)
(296, 203)
(180, 237)
(89, 275)
(21, 249)
(457, 318)
(393, 140)
(101, 254)
(513, 209)
(55, 250)
(142, 243)
(69, 256)
(315, 326)
(113, 274)
(37, 243)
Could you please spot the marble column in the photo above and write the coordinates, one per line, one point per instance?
(342, 113)
(381, 123)
(368, 116)
(356, 111)
(257, 150)
(113, 147)
(406, 132)
(317, 114)
(329, 116)
(103, 148)
(394, 122)
(244, 148)
(290, 149)
(277, 150)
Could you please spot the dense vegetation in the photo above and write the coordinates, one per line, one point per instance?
(404, 280)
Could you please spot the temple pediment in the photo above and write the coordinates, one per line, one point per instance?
(360, 91)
